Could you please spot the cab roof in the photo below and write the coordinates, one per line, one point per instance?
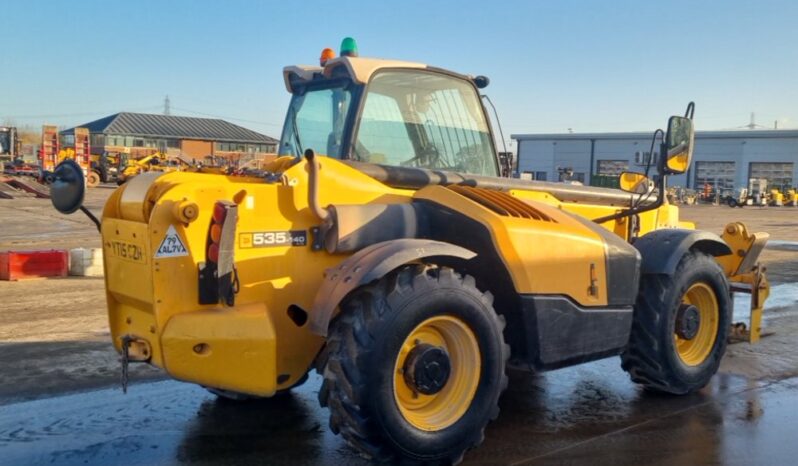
(359, 69)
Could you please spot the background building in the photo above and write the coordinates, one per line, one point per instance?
(724, 159)
(141, 134)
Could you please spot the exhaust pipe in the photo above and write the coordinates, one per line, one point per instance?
(313, 187)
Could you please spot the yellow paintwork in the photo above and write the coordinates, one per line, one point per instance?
(742, 269)
(695, 351)
(236, 348)
(633, 182)
(440, 410)
(563, 248)
(679, 163)
(150, 294)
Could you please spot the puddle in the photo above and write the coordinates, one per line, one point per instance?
(782, 245)
(781, 302)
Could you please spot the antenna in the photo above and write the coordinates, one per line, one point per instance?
(752, 124)
(166, 105)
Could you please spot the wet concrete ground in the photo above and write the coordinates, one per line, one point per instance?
(585, 415)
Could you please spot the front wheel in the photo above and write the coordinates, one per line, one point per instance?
(415, 366)
(681, 323)
(92, 179)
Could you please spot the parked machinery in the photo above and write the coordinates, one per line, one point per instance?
(755, 194)
(776, 198)
(391, 257)
(10, 144)
(52, 152)
(791, 198)
(155, 162)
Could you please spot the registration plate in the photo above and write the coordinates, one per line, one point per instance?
(127, 251)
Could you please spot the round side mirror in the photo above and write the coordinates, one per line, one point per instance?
(68, 187)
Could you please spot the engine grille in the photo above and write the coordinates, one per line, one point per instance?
(501, 203)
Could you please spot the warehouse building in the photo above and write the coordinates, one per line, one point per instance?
(141, 134)
(722, 159)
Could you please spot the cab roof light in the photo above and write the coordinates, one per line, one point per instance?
(348, 47)
(326, 54)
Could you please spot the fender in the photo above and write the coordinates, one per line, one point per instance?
(663, 249)
(369, 264)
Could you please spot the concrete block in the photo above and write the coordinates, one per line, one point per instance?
(86, 262)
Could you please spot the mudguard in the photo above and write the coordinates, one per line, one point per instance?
(370, 264)
(663, 249)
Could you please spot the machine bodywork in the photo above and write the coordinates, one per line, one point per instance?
(244, 283)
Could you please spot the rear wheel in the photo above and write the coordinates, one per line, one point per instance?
(414, 366)
(732, 202)
(681, 323)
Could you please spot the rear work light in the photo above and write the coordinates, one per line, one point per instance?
(217, 276)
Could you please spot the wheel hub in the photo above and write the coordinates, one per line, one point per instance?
(688, 320)
(427, 369)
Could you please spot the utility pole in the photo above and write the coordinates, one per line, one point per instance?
(752, 124)
(166, 105)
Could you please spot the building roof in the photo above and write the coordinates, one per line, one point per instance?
(746, 134)
(176, 127)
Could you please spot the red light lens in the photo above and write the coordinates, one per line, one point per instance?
(219, 213)
(216, 232)
(213, 252)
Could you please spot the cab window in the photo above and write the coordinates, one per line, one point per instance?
(427, 120)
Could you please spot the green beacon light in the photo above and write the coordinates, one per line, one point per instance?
(348, 47)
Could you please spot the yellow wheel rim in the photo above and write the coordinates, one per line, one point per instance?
(695, 351)
(442, 409)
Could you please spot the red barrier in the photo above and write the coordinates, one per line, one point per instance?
(16, 265)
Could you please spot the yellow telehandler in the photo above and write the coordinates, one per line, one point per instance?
(383, 249)
(155, 162)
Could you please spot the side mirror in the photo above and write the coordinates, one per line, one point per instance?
(678, 145)
(635, 183)
(68, 187)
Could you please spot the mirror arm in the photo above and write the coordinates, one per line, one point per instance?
(690, 112)
(92, 218)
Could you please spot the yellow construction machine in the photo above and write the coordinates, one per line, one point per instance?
(155, 162)
(383, 249)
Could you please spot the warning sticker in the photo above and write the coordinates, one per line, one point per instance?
(172, 245)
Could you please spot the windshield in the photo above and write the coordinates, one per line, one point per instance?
(414, 118)
(316, 120)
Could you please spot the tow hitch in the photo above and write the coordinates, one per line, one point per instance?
(133, 350)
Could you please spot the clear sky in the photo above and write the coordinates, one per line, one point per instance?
(554, 65)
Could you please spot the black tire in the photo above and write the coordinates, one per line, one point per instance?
(230, 395)
(651, 357)
(359, 361)
(732, 202)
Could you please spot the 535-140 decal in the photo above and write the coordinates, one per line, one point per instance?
(264, 239)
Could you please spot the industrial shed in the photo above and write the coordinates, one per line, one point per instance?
(723, 159)
(140, 134)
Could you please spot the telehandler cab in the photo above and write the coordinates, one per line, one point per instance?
(383, 249)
